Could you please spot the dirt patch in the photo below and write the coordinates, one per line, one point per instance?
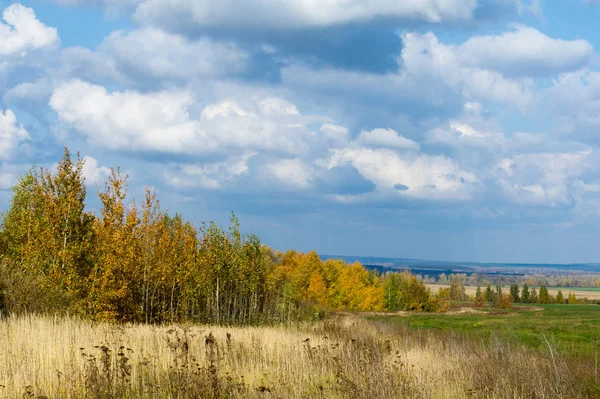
(465, 310)
(531, 308)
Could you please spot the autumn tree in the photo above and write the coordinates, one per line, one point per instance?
(457, 289)
(113, 277)
(48, 233)
(479, 298)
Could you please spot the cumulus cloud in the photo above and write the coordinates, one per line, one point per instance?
(296, 14)
(94, 173)
(162, 55)
(151, 57)
(171, 122)
(494, 68)
(209, 175)
(525, 51)
(424, 59)
(23, 32)
(542, 179)
(294, 173)
(386, 138)
(11, 134)
(411, 175)
(429, 73)
(573, 104)
(36, 91)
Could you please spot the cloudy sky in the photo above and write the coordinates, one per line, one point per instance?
(436, 129)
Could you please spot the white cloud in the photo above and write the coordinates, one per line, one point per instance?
(23, 32)
(162, 55)
(38, 90)
(524, 51)
(336, 135)
(150, 57)
(11, 134)
(496, 68)
(573, 103)
(541, 179)
(293, 173)
(386, 138)
(208, 175)
(424, 59)
(429, 73)
(93, 173)
(296, 14)
(411, 175)
(165, 121)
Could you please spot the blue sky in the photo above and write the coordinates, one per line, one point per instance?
(437, 129)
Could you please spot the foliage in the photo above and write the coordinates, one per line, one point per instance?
(533, 298)
(489, 294)
(514, 292)
(525, 298)
(479, 298)
(457, 289)
(142, 264)
(572, 299)
(544, 296)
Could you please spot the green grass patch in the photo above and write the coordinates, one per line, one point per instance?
(572, 329)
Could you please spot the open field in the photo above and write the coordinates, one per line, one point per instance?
(571, 329)
(592, 293)
(348, 357)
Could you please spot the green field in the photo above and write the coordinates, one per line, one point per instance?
(570, 329)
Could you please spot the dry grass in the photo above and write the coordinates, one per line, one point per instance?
(579, 293)
(348, 357)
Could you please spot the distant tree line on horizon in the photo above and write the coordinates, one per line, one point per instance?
(549, 280)
(136, 262)
(495, 296)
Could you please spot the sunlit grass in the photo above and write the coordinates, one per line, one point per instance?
(349, 357)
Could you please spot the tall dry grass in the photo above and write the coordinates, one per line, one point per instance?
(60, 357)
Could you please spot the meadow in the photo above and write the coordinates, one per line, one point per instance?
(346, 356)
(160, 308)
(572, 330)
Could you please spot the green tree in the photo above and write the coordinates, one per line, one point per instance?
(572, 298)
(489, 294)
(479, 297)
(534, 298)
(544, 296)
(525, 294)
(457, 289)
(559, 297)
(514, 292)
(47, 231)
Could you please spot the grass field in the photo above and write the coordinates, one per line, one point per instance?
(347, 357)
(572, 329)
(592, 293)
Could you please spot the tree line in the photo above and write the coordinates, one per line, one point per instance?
(495, 296)
(137, 262)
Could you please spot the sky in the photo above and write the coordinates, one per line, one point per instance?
(465, 130)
